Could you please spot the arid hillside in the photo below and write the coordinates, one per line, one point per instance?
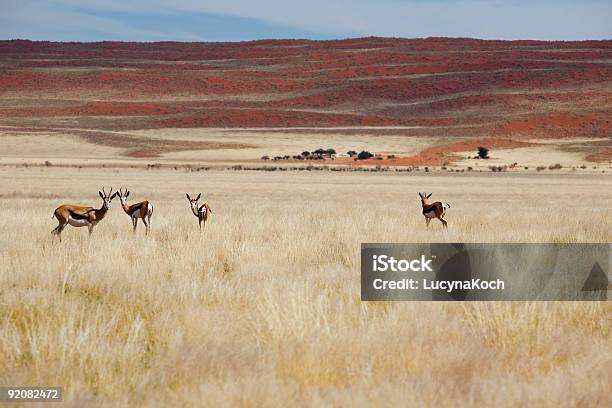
(452, 88)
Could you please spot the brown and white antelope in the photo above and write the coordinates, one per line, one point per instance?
(203, 212)
(433, 210)
(79, 216)
(142, 210)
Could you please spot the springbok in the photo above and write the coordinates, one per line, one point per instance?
(79, 216)
(436, 209)
(203, 212)
(142, 210)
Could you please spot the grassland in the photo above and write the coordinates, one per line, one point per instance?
(263, 308)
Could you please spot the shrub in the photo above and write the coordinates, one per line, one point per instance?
(483, 152)
(364, 155)
(351, 153)
(540, 168)
(330, 151)
(556, 166)
(265, 157)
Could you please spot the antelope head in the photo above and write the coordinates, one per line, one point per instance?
(107, 197)
(123, 196)
(194, 202)
(424, 197)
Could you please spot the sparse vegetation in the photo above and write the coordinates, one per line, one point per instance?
(364, 155)
(483, 153)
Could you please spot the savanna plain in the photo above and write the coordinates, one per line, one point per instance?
(263, 308)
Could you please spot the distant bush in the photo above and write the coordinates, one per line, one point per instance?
(351, 153)
(364, 155)
(483, 152)
(540, 168)
(330, 151)
(556, 166)
(265, 157)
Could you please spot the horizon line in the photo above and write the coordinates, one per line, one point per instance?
(307, 40)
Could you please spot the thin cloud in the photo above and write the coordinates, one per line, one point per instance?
(127, 20)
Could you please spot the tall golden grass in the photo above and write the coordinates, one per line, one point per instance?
(263, 308)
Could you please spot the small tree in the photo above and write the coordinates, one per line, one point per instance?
(364, 155)
(483, 152)
(330, 151)
(319, 151)
(351, 153)
(305, 153)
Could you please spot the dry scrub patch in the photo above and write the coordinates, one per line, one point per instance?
(263, 308)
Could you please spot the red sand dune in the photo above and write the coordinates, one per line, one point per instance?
(452, 87)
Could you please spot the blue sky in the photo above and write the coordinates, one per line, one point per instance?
(234, 20)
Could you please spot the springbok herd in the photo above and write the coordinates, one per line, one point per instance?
(80, 216)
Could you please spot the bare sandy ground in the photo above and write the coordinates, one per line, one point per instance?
(247, 146)
(542, 155)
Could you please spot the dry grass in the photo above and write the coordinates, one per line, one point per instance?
(263, 308)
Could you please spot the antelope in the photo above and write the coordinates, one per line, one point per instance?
(203, 212)
(142, 210)
(436, 209)
(79, 216)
